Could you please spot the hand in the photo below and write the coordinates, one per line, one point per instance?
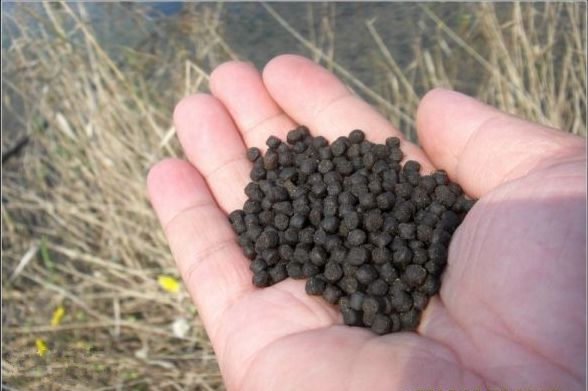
(511, 311)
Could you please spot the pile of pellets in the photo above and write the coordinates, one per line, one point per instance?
(369, 234)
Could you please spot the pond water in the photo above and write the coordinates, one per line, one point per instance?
(256, 36)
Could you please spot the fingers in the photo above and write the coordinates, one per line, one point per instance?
(482, 147)
(313, 96)
(239, 86)
(201, 239)
(212, 143)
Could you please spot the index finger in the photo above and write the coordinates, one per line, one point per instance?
(210, 261)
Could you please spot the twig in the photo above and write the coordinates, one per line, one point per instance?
(15, 149)
(24, 261)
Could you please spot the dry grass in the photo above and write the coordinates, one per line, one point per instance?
(77, 227)
(530, 61)
(79, 194)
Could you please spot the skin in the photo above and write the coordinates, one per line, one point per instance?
(511, 311)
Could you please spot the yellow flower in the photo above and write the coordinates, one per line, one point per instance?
(169, 284)
(57, 316)
(41, 347)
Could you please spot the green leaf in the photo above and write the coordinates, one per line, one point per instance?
(49, 264)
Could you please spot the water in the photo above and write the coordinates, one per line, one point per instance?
(168, 8)
(257, 37)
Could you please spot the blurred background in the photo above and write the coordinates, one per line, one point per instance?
(90, 296)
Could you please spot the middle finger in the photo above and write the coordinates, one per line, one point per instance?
(239, 86)
(313, 96)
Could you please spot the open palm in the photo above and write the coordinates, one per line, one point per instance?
(511, 311)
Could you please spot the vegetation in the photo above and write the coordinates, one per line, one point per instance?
(89, 291)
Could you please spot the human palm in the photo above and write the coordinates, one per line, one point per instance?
(511, 311)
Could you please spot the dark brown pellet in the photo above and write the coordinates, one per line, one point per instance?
(349, 284)
(271, 256)
(237, 222)
(330, 224)
(266, 217)
(278, 273)
(406, 230)
(366, 274)
(254, 192)
(351, 317)
(349, 269)
(268, 239)
(254, 231)
(294, 270)
(396, 154)
(318, 256)
(357, 256)
(381, 324)
(419, 256)
(270, 160)
(444, 196)
(380, 239)
(356, 136)
(392, 142)
(388, 272)
(296, 135)
(284, 207)
(252, 207)
(368, 318)
(419, 300)
(261, 279)
(381, 255)
(253, 154)
(414, 275)
(428, 183)
(332, 294)
(437, 252)
(377, 288)
(257, 265)
(325, 166)
(402, 212)
(440, 236)
(402, 257)
(433, 268)
(249, 251)
(285, 159)
(344, 167)
(412, 165)
(409, 320)
(441, 177)
(356, 300)
(424, 233)
(430, 286)
(401, 301)
(373, 221)
(333, 271)
(371, 304)
(281, 221)
(385, 201)
(356, 237)
(315, 286)
(310, 269)
(367, 201)
(306, 235)
(339, 147)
